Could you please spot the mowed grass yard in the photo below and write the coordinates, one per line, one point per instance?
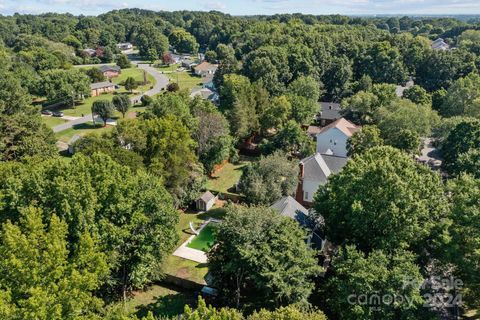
(186, 80)
(86, 106)
(225, 179)
(81, 129)
(161, 300)
(52, 121)
(137, 74)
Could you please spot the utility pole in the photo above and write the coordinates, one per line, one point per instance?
(73, 99)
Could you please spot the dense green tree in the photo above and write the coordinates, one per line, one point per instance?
(259, 251)
(418, 95)
(363, 140)
(360, 284)
(122, 61)
(64, 86)
(463, 98)
(276, 114)
(122, 103)
(134, 221)
(95, 143)
(176, 104)
(368, 203)
(268, 179)
(291, 138)
(337, 78)
(382, 63)
(130, 84)
(150, 39)
(104, 109)
(23, 135)
(397, 124)
(43, 277)
(464, 138)
(464, 248)
(95, 75)
(183, 41)
(168, 151)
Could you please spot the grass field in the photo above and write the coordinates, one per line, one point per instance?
(161, 300)
(80, 129)
(137, 74)
(225, 179)
(205, 239)
(169, 68)
(186, 80)
(86, 106)
(52, 121)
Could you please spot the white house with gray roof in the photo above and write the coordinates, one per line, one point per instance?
(332, 139)
(314, 172)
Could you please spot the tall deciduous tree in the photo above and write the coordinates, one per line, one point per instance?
(360, 284)
(134, 221)
(259, 251)
(122, 103)
(268, 179)
(43, 276)
(464, 249)
(382, 199)
(104, 109)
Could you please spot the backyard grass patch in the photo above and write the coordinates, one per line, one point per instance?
(225, 179)
(137, 74)
(81, 129)
(52, 121)
(186, 80)
(162, 300)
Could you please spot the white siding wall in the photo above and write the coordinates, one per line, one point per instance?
(311, 188)
(334, 140)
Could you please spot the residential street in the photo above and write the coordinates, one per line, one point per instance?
(161, 81)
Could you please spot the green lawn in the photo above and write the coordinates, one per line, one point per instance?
(81, 129)
(186, 80)
(52, 121)
(205, 239)
(169, 68)
(137, 74)
(226, 178)
(161, 300)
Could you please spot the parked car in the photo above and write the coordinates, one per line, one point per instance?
(58, 114)
(47, 112)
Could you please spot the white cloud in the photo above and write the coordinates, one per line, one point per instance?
(215, 5)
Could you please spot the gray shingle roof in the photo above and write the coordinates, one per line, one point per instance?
(99, 85)
(330, 110)
(109, 68)
(319, 167)
(206, 197)
(289, 207)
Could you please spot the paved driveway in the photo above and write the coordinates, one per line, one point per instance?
(161, 82)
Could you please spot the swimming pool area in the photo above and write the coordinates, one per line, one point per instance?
(205, 239)
(196, 247)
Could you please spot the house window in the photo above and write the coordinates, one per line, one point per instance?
(306, 195)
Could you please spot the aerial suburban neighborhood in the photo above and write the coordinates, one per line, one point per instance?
(241, 163)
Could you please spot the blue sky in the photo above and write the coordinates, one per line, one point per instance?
(245, 7)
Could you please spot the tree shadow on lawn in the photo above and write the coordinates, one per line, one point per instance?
(170, 305)
(86, 125)
(217, 213)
